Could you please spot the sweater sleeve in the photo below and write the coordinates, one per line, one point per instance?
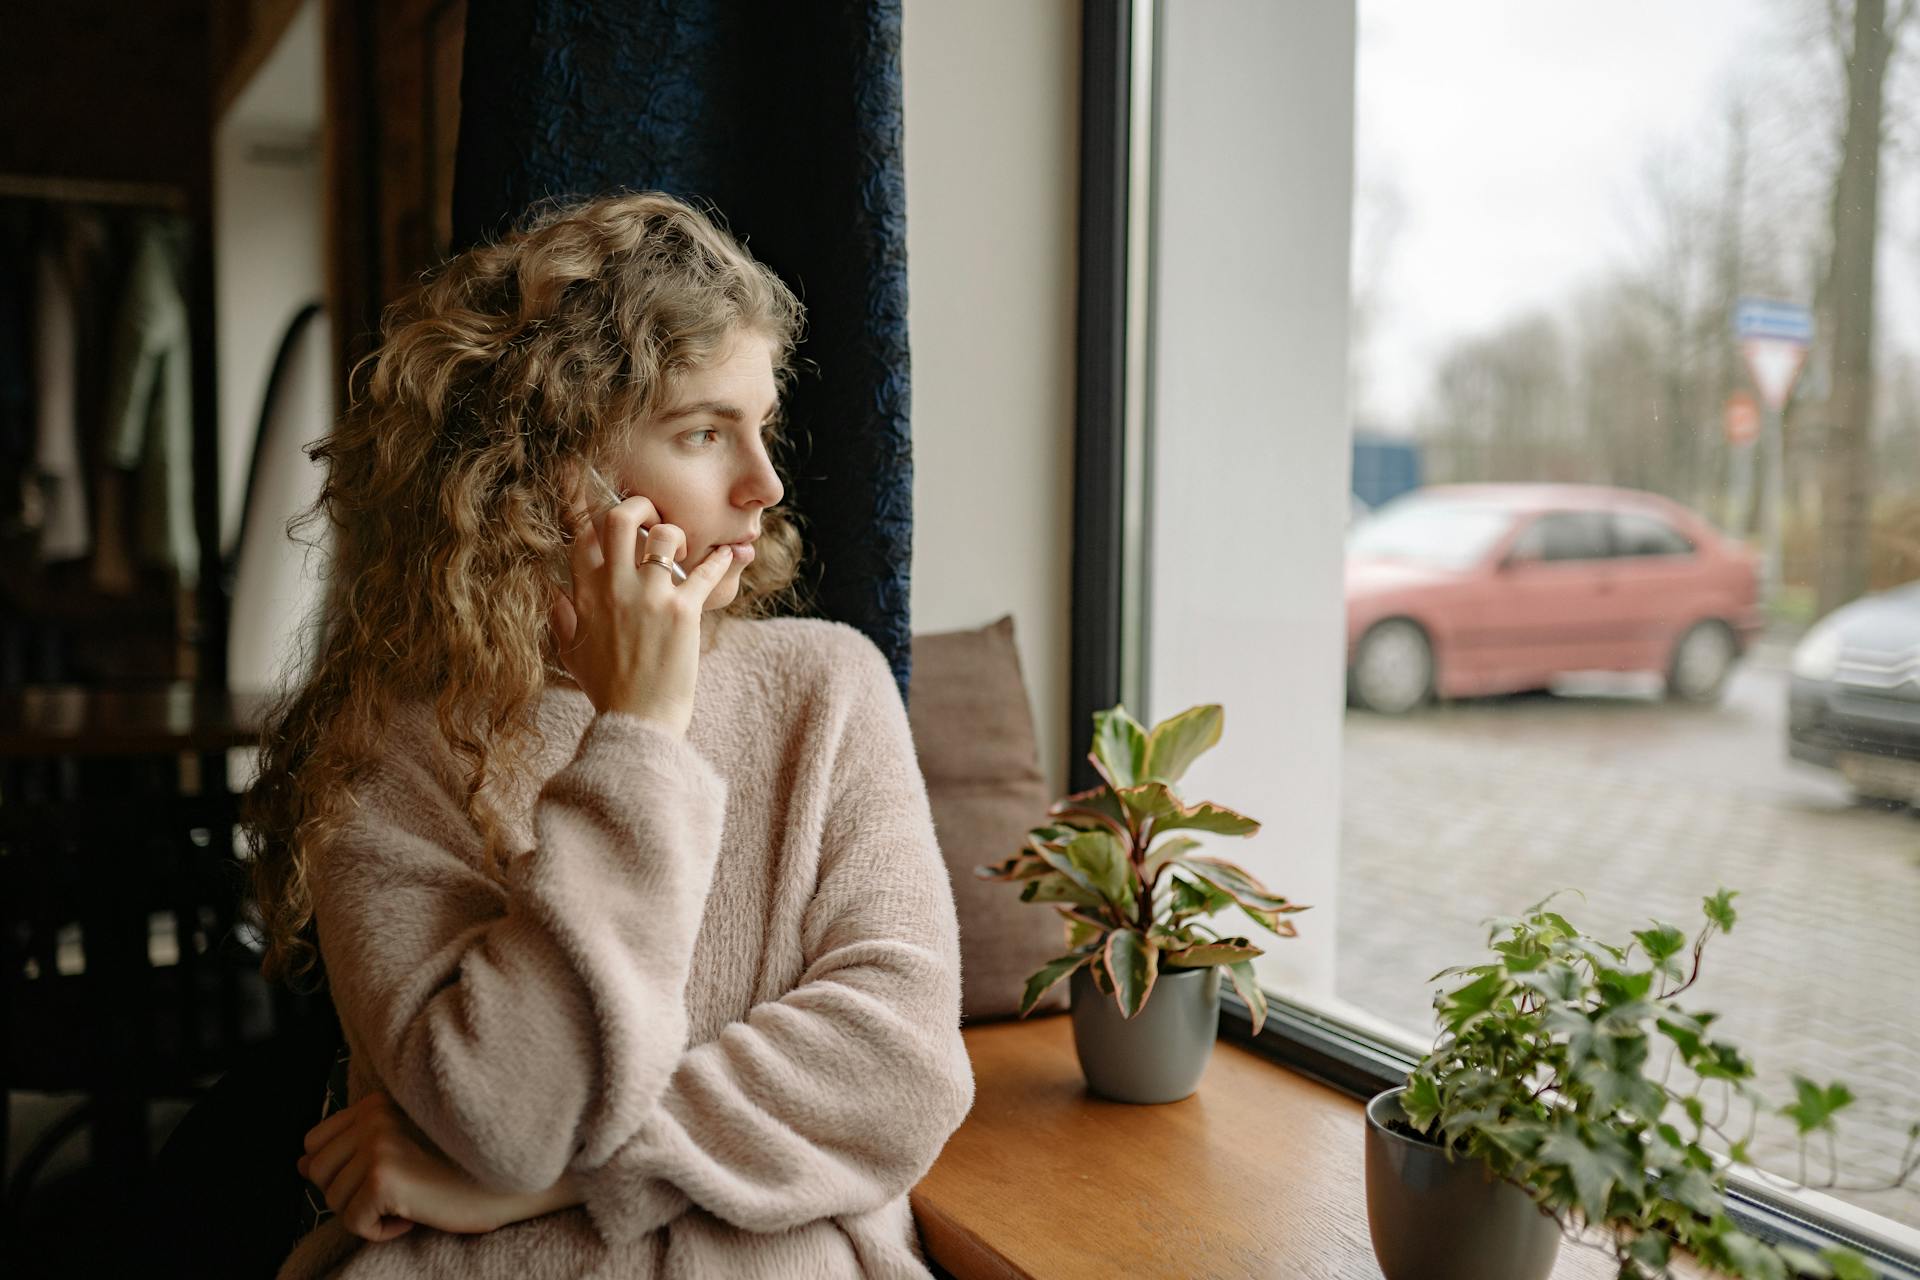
(835, 1098)
(526, 1026)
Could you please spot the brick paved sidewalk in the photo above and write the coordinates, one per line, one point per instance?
(1446, 824)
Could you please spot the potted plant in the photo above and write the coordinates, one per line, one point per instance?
(1133, 894)
(1551, 1103)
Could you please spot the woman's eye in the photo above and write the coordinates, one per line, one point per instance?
(705, 431)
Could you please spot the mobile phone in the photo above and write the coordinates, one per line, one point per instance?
(603, 498)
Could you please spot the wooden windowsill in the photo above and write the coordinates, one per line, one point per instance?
(1259, 1174)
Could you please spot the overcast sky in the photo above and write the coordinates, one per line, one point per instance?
(1513, 138)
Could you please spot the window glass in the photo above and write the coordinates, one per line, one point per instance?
(1563, 535)
(1643, 535)
(1596, 244)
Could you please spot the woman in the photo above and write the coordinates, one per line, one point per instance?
(627, 895)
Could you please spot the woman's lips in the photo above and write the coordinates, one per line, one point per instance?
(742, 551)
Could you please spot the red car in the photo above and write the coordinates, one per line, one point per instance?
(1461, 590)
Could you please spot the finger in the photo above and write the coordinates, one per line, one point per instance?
(621, 533)
(346, 1183)
(709, 573)
(366, 1209)
(390, 1227)
(668, 540)
(324, 1132)
(324, 1165)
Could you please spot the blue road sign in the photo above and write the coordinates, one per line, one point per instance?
(1770, 318)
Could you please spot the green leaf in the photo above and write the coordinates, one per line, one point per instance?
(1556, 980)
(1595, 1163)
(1696, 1113)
(1519, 1139)
(1662, 943)
(1814, 1107)
(1179, 740)
(1421, 1101)
(1694, 1190)
(1687, 1033)
(1804, 1262)
(1166, 851)
(1042, 980)
(1241, 974)
(1722, 1061)
(1611, 1072)
(1098, 809)
(1465, 1005)
(1119, 747)
(1750, 1259)
(1224, 951)
(1652, 1251)
(1156, 801)
(1134, 963)
(1847, 1265)
(1021, 866)
(1055, 887)
(1719, 909)
(1195, 897)
(1099, 856)
(1622, 986)
(1237, 884)
(1057, 859)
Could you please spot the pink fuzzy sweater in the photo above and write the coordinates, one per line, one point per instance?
(722, 981)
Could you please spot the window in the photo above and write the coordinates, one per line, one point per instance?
(1564, 535)
(1641, 535)
(1542, 275)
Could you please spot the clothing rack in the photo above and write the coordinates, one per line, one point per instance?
(158, 195)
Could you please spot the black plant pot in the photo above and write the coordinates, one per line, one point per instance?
(1438, 1219)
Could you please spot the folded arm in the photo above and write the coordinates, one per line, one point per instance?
(527, 1027)
(835, 1098)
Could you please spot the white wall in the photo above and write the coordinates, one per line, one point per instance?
(992, 157)
(1250, 420)
(268, 263)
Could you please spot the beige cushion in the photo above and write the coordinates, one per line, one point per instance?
(973, 730)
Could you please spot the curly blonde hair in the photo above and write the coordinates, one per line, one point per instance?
(445, 494)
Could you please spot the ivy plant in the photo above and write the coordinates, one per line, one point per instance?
(1556, 1065)
(1118, 863)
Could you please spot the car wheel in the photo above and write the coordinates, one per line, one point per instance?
(1392, 668)
(1701, 663)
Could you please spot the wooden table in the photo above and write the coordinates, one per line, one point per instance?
(1259, 1174)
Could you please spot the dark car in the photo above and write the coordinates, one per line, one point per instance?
(1854, 703)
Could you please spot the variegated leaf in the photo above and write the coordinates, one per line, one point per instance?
(1043, 979)
(1176, 742)
(1134, 963)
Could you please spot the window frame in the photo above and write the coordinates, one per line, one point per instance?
(1113, 503)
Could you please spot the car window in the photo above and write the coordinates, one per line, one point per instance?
(1643, 535)
(1564, 535)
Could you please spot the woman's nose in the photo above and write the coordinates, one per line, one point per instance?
(762, 483)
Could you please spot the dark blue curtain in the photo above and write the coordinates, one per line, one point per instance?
(786, 116)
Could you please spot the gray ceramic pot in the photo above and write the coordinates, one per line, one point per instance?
(1439, 1219)
(1158, 1055)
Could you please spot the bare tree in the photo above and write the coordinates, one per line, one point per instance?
(1865, 39)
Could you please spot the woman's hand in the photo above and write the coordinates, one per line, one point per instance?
(629, 635)
(382, 1175)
